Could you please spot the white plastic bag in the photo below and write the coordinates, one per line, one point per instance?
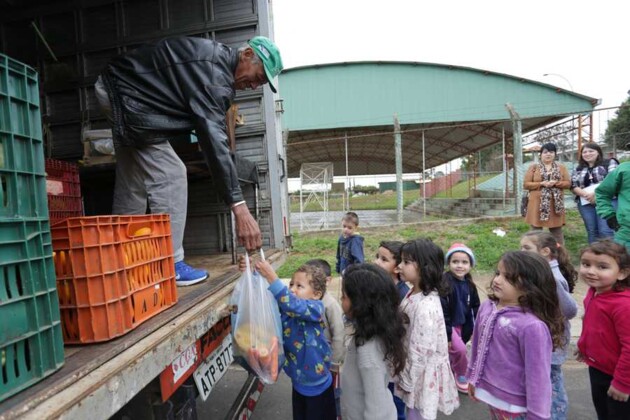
(256, 326)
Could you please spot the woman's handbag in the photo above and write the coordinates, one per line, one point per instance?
(524, 203)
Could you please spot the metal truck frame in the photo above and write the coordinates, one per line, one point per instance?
(69, 42)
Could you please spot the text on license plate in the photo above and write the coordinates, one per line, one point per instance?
(214, 367)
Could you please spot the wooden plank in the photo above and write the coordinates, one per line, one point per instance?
(197, 306)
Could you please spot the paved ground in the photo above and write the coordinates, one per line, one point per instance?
(332, 220)
(275, 402)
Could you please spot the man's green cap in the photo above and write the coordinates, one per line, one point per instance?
(268, 53)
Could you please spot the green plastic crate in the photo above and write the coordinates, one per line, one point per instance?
(22, 173)
(31, 340)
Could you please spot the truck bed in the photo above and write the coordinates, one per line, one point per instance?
(98, 379)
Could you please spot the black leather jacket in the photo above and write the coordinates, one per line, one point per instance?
(173, 87)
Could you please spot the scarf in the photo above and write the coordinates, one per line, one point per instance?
(546, 193)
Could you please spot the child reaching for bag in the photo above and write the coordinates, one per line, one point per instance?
(426, 384)
(460, 309)
(334, 330)
(369, 299)
(516, 330)
(545, 245)
(604, 344)
(307, 353)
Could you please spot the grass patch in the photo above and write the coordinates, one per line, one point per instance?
(386, 200)
(461, 189)
(476, 233)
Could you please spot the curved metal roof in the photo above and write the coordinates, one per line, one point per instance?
(461, 109)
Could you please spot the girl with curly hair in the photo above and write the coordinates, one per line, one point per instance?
(370, 300)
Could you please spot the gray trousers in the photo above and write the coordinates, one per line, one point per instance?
(153, 174)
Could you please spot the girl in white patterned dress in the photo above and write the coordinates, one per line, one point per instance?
(426, 384)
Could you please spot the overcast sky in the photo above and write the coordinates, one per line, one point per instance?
(584, 42)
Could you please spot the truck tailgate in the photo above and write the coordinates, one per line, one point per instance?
(98, 379)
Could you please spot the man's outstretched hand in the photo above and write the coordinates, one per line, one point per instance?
(247, 228)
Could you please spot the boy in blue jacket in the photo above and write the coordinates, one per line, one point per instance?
(307, 352)
(350, 244)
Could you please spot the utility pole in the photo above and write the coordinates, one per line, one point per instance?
(347, 183)
(399, 183)
(504, 161)
(517, 137)
(424, 181)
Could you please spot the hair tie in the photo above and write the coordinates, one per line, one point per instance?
(558, 245)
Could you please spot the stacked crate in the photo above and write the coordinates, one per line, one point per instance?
(113, 273)
(64, 190)
(31, 343)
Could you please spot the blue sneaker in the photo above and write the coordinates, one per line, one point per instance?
(185, 275)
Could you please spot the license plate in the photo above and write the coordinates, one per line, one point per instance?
(214, 367)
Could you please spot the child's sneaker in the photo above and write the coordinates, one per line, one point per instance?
(185, 275)
(462, 384)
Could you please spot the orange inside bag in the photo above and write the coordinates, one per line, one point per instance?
(257, 326)
(260, 348)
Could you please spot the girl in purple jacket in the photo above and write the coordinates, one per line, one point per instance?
(515, 332)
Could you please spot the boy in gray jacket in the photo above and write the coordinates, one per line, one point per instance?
(334, 330)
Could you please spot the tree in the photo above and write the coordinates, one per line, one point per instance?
(488, 159)
(618, 130)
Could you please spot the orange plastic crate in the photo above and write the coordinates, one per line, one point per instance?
(113, 273)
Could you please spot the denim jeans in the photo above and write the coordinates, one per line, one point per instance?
(400, 404)
(559, 399)
(497, 414)
(596, 227)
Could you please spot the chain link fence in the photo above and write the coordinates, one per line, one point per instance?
(476, 184)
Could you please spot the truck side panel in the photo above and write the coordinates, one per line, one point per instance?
(85, 35)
